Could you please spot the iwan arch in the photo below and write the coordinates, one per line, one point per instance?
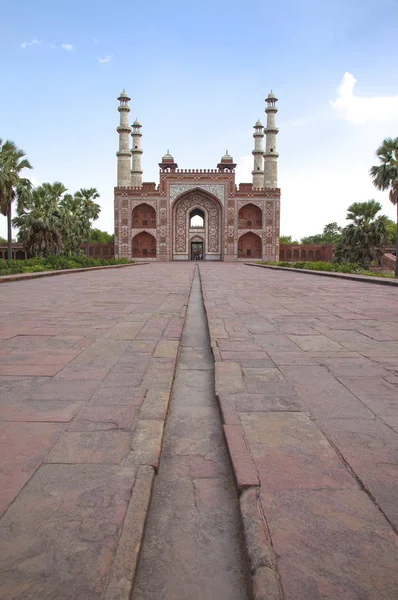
(197, 214)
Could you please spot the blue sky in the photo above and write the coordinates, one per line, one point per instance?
(198, 73)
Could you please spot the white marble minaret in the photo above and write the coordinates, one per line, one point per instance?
(271, 155)
(136, 151)
(258, 171)
(124, 154)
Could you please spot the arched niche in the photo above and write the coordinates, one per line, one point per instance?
(249, 245)
(144, 245)
(144, 216)
(250, 217)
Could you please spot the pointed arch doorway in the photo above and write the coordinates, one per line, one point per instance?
(197, 226)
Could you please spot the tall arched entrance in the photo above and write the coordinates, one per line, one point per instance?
(197, 227)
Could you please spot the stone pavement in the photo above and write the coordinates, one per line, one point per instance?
(307, 379)
(86, 367)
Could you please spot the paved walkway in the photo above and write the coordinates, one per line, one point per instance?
(307, 379)
(86, 368)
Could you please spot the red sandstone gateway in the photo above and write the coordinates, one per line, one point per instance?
(197, 214)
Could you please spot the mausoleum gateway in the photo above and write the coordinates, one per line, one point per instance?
(197, 214)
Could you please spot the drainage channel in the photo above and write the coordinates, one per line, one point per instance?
(193, 545)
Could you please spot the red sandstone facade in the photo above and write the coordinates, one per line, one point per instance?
(239, 222)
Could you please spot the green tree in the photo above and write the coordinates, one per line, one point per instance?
(385, 176)
(101, 237)
(40, 221)
(392, 231)
(79, 211)
(12, 185)
(364, 238)
(287, 239)
(330, 235)
(52, 221)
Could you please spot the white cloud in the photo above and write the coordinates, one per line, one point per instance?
(94, 40)
(359, 110)
(67, 47)
(34, 42)
(106, 59)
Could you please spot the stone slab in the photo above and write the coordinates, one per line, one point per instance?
(23, 446)
(119, 396)
(331, 544)
(42, 411)
(65, 390)
(125, 562)
(262, 559)
(155, 405)
(166, 349)
(59, 537)
(290, 452)
(90, 447)
(371, 450)
(244, 467)
(229, 378)
(103, 418)
(145, 444)
(323, 395)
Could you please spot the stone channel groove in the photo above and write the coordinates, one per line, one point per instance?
(193, 546)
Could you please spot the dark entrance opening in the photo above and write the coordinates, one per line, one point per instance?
(196, 250)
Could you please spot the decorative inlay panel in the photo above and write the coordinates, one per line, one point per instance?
(217, 189)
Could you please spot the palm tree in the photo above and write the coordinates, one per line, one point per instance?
(40, 221)
(364, 238)
(79, 210)
(52, 221)
(12, 185)
(385, 176)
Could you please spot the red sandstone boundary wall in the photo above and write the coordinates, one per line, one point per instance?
(287, 252)
(306, 252)
(106, 251)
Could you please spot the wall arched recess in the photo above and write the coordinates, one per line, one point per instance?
(144, 245)
(250, 217)
(249, 246)
(144, 216)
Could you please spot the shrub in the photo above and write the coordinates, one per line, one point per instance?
(55, 263)
(335, 267)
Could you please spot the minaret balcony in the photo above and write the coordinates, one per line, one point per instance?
(274, 130)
